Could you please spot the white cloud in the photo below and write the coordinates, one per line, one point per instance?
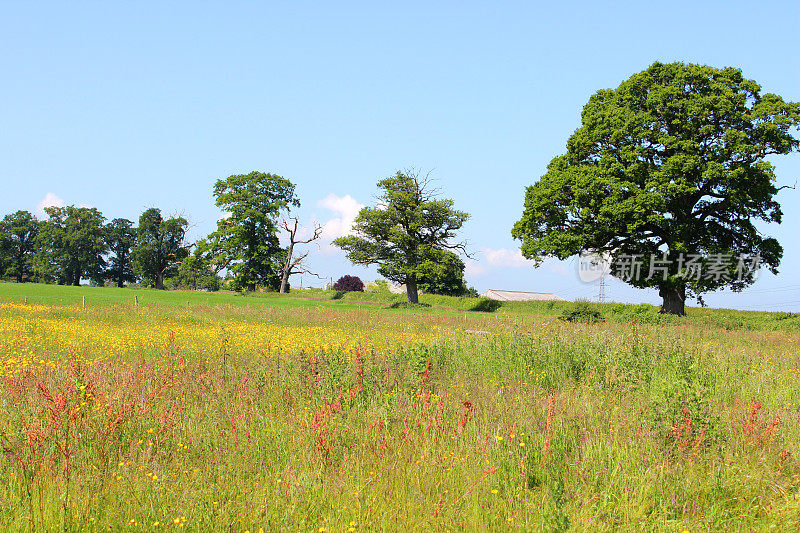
(346, 209)
(49, 200)
(507, 258)
(474, 268)
(556, 267)
(503, 257)
(495, 258)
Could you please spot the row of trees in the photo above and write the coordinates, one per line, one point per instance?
(76, 243)
(410, 235)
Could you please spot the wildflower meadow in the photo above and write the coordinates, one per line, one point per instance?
(289, 414)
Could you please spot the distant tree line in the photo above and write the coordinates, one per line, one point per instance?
(78, 244)
(74, 245)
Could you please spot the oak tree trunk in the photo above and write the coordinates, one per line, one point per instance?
(411, 291)
(673, 300)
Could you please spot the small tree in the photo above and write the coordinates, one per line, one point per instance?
(408, 233)
(212, 251)
(195, 273)
(666, 170)
(450, 281)
(349, 284)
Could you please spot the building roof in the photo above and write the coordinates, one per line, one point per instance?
(520, 296)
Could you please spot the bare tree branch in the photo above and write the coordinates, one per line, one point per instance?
(294, 265)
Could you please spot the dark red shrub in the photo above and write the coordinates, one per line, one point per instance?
(349, 283)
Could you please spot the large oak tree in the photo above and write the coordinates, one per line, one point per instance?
(672, 163)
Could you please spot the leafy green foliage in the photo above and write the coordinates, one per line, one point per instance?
(407, 234)
(247, 241)
(195, 273)
(120, 237)
(673, 161)
(71, 245)
(18, 232)
(682, 389)
(449, 280)
(160, 246)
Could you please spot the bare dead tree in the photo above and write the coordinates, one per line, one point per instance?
(294, 265)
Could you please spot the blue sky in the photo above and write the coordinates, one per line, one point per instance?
(124, 106)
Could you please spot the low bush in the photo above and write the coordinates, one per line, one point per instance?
(581, 312)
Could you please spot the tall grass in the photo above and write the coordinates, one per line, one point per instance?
(534, 424)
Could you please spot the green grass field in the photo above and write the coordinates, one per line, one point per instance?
(100, 296)
(223, 412)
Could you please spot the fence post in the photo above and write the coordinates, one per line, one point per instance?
(83, 302)
(135, 300)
